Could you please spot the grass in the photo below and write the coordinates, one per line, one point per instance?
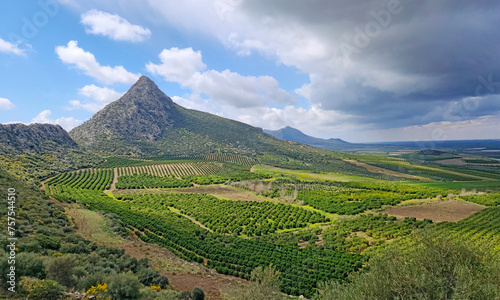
(93, 226)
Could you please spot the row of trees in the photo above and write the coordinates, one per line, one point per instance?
(234, 217)
(302, 269)
(97, 179)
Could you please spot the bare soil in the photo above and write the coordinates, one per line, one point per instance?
(437, 211)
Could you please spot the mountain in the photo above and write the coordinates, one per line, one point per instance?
(146, 121)
(34, 138)
(295, 135)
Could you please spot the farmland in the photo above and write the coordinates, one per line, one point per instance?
(312, 227)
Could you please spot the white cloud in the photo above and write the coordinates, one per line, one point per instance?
(113, 26)
(99, 97)
(10, 48)
(186, 67)
(86, 61)
(66, 123)
(6, 104)
(101, 94)
(314, 121)
(177, 65)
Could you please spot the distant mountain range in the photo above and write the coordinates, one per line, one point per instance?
(291, 134)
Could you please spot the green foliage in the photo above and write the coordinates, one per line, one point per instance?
(149, 181)
(93, 179)
(124, 286)
(198, 294)
(301, 268)
(342, 235)
(233, 217)
(482, 227)
(44, 289)
(436, 267)
(62, 270)
(490, 199)
(265, 285)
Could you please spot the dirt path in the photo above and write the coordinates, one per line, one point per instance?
(191, 219)
(112, 187)
(375, 169)
(42, 188)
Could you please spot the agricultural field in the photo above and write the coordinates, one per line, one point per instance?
(93, 179)
(233, 216)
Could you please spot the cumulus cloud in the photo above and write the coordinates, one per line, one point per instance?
(6, 104)
(85, 61)
(185, 66)
(66, 123)
(10, 48)
(98, 97)
(113, 26)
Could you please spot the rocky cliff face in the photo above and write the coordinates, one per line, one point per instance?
(33, 138)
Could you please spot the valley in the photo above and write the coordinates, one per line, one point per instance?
(173, 199)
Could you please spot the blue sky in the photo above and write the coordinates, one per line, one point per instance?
(383, 70)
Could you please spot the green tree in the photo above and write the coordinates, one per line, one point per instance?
(198, 294)
(124, 286)
(42, 289)
(62, 270)
(265, 285)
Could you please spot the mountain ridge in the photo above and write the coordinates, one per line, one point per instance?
(34, 138)
(292, 134)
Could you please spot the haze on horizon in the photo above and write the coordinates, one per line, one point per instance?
(380, 70)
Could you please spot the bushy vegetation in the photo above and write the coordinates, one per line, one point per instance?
(52, 260)
(435, 267)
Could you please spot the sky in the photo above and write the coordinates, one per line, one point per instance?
(362, 71)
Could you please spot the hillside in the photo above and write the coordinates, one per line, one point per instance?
(291, 134)
(33, 138)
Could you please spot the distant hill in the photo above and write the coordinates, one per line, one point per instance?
(34, 138)
(295, 135)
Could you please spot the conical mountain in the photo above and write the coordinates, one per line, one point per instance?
(146, 121)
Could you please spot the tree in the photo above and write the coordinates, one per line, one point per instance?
(62, 270)
(265, 285)
(42, 289)
(124, 286)
(198, 294)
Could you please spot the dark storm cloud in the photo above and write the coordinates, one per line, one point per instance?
(423, 58)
